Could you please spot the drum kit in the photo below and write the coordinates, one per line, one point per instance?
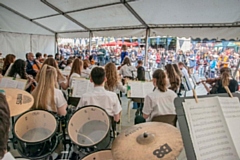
(89, 129)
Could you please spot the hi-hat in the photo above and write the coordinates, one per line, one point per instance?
(148, 141)
(19, 101)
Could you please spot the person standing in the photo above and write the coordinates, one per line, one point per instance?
(30, 62)
(212, 65)
(101, 55)
(124, 53)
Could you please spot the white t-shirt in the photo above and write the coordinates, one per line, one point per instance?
(74, 75)
(102, 98)
(86, 73)
(67, 68)
(127, 70)
(159, 103)
(185, 72)
(58, 98)
(8, 156)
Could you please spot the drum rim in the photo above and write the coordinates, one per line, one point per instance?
(76, 112)
(97, 151)
(19, 139)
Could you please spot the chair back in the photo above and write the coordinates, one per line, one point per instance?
(170, 119)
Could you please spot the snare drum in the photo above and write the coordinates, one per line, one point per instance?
(100, 155)
(35, 132)
(89, 127)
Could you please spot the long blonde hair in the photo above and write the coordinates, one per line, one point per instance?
(111, 75)
(44, 92)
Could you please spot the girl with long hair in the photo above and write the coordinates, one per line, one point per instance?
(76, 70)
(46, 96)
(161, 100)
(173, 77)
(9, 60)
(18, 70)
(127, 69)
(113, 82)
(62, 81)
(224, 80)
(86, 70)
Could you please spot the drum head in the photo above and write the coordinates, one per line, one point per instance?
(35, 126)
(88, 126)
(100, 155)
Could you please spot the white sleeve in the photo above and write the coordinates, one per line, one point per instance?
(147, 107)
(60, 100)
(121, 87)
(80, 103)
(116, 107)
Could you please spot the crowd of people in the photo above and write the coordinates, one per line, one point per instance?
(46, 80)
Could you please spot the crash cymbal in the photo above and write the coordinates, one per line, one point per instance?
(148, 141)
(100, 155)
(18, 100)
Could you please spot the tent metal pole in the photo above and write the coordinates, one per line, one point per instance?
(90, 41)
(235, 72)
(146, 46)
(56, 43)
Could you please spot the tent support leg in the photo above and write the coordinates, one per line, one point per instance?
(56, 44)
(90, 41)
(146, 46)
(235, 72)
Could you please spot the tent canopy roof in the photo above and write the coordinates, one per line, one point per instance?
(76, 18)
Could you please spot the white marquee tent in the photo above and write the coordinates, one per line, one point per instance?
(34, 25)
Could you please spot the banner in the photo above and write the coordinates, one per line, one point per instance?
(169, 41)
(122, 40)
(131, 39)
(181, 43)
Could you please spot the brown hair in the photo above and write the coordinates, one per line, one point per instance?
(76, 67)
(44, 92)
(173, 77)
(5, 124)
(177, 70)
(225, 74)
(161, 80)
(51, 62)
(8, 60)
(124, 47)
(112, 77)
(98, 75)
(86, 63)
(126, 61)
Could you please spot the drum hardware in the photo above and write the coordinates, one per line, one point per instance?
(99, 155)
(150, 140)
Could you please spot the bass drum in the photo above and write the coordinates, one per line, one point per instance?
(35, 132)
(89, 127)
(100, 155)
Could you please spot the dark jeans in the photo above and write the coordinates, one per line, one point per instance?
(101, 61)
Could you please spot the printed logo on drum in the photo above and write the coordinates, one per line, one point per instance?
(19, 99)
(162, 151)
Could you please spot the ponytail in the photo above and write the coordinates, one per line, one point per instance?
(161, 80)
(225, 74)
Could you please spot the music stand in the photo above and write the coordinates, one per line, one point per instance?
(187, 141)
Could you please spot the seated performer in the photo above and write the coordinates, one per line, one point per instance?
(160, 101)
(4, 129)
(101, 97)
(46, 95)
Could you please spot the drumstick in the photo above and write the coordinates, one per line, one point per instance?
(195, 95)
(86, 137)
(228, 91)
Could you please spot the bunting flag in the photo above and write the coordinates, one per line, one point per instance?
(108, 39)
(169, 41)
(80, 40)
(102, 39)
(225, 44)
(122, 40)
(139, 41)
(96, 40)
(158, 40)
(131, 40)
(115, 39)
(86, 41)
(181, 43)
(75, 40)
(194, 44)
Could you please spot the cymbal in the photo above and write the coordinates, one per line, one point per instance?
(150, 141)
(18, 100)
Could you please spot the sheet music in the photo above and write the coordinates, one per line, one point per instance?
(208, 129)
(148, 88)
(3, 82)
(7, 82)
(231, 112)
(136, 89)
(21, 84)
(81, 86)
